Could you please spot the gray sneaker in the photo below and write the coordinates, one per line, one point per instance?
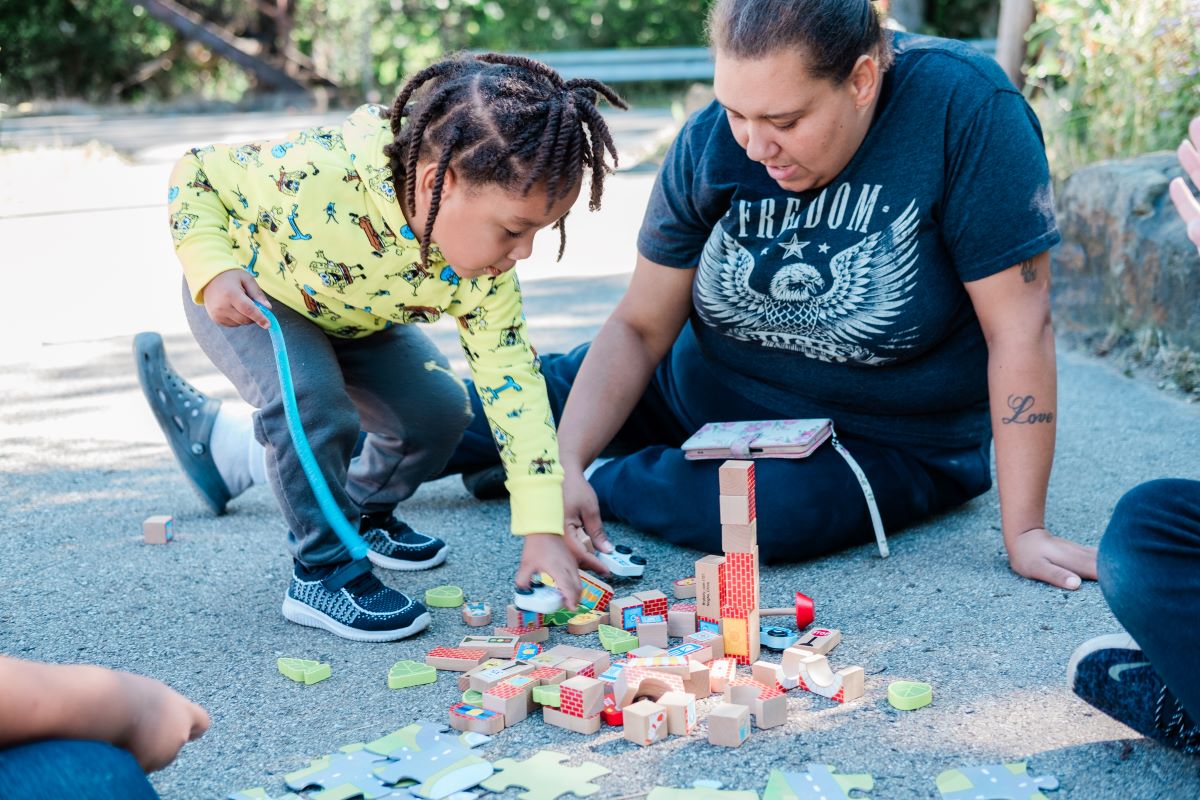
(350, 602)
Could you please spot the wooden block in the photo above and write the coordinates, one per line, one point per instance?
(577, 666)
(653, 602)
(740, 538)
(624, 612)
(728, 725)
(497, 646)
(767, 703)
(714, 641)
(547, 676)
(581, 696)
(465, 717)
(528, 650)
(736, 477)
(652, 630)
(684, 588)
(736, 509)
(454, 659)
(645, 722)
(594, 593)
(520, 618)
(545, 659)
(769, 674)
(636, 682)
(646, 651)
(721, 672)
(742, 637)
(587, 622)
(709, 571)
(512, 698)
(485, 679)
(681, 620)
(599, 659)
(739, 582)
(672, 665)
(525, 634)
(681, 712)
(476, 615)
(464, 680)
(816, 676)
(818, 641)
(697, 680)
(585, 725)
(158, 530)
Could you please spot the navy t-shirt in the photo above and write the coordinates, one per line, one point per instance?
(848, 301)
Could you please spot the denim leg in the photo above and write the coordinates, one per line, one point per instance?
(1150, 574)
(72, 768)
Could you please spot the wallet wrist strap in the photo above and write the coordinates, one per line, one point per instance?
(872, 506)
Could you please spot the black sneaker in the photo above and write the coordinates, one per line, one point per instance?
(487, 483)
(350, 602)
(1113, 674)
(395, 545)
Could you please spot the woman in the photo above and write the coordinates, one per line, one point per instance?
(857, 229)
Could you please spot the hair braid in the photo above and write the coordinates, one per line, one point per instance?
(435, 200)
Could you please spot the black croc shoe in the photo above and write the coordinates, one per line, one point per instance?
(185, 416)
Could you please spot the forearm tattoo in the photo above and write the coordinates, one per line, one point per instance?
(1020, 406)
(1028, 271)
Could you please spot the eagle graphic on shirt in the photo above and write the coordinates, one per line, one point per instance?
(839, 322)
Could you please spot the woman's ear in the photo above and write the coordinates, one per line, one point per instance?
(864, 81)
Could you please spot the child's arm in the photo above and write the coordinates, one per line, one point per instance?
(79, 701)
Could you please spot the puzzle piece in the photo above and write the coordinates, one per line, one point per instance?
(404, 674)
(351, 767)
(994, 782)
(440, 763)
(260, 794)
(699, 793)
(545, 777)
(818, 783)
(302, 670)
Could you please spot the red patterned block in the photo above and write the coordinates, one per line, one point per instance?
(683, 607)
(570, 702)
(505, 690)
(545, 674)
(765, 692)
(653, 605)
(457, 652)
(741, 582)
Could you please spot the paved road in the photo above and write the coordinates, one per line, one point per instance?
(83, 465)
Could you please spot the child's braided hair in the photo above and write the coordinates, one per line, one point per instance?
(502, 119)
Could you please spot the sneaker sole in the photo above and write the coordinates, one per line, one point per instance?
(1112, 641)
(380, 560)
(301, 614)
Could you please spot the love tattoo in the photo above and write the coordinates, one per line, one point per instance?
(1021, 415)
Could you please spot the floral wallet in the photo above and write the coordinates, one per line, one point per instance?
(779, 438)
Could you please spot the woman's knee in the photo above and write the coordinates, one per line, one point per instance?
(72, 767)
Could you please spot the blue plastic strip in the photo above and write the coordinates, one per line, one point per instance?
(308, 462)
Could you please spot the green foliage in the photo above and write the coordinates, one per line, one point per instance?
(1113, 78)
(962, 19)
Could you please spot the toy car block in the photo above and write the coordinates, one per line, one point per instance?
(681, 620)
(525, 634)
(653, 602)
(476, 615)
(652, 630)
(455, 659)
(520, 618)
(709, 573)
(594, 593)
(736, 478)
(675, 665)
(815, 675)
(464, 717)
(739, 538)
(742, 636)
(721, 672)
(624, 612)
(646, 651)
(713, 641)
(684, 588)
(496, 646)
(697, 682)
(512, 698)
(637, 682)
(612, 716)
(622, 562)
(547, 676)
(681, 712)
(584, 725)
(404, 674)
(818, 641)
(464, 680)
(583, 623)
(581, 696)
(645, 722)
(736, 509)
(740, 582)
(547, 695)
(728, 725)
(158, 530)
(767, 702)
(776, 637)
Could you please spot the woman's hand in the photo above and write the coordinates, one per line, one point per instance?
(1042, 556)
(229, 299)
(581, 513)
(1185, 201)
(161, 721)
(560, 559)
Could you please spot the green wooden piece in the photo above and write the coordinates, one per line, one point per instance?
(909, 695)
(444, 597)
(617, 641)
(404, 674)
(302, 670)
(473, 697)
(547, 695)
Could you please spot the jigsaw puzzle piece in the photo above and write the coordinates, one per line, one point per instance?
(407, 738)
(994, 782)
(351, 767)
(259, 793)
(440, 764)
(699, 793)
(818, 783)
(543, 776)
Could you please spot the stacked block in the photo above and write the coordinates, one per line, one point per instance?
(739, 596)
(581, 699)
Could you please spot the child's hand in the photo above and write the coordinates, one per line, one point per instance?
(581, 511)
(161, 721)
(229, 299)
(1040, 555)
(561, 559)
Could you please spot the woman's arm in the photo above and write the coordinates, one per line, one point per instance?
(614, 374)
(1013, 307)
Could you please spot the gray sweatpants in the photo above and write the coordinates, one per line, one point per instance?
(394, 384)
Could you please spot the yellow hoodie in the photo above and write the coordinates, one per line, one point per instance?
(315, 219)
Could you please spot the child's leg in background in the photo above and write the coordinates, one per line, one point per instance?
(1150, 574)
(72, 768)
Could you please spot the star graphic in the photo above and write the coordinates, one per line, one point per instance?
(824, 248)
(794, 248)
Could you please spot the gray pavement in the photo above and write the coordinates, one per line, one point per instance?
(83, 464)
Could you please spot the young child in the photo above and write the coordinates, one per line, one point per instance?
(349, 235)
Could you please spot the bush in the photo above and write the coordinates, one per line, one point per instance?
(1113, 78)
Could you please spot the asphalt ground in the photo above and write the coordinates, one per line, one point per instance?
(83, 465)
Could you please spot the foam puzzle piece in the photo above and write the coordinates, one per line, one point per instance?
(441, 763)
(404, 674)
(994, 782)
(909, 695)
(544, 776)
(353, 766)
(302, 670)
(818, 783)
(699, 793)
(444, 596)
(260, 794)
